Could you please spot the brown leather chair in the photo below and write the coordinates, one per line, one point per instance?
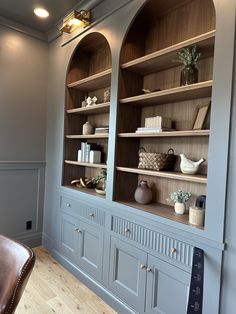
(16, 264)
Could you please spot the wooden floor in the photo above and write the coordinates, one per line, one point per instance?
(52, 289)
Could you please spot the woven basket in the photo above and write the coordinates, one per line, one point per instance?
(156, 161)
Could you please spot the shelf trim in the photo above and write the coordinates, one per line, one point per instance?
(85, 164)
(168, 51)
(166, 174)
(98, 108)
(165, 94)
(161, 210)
(90, 79)
(189, 133)
(100, 135)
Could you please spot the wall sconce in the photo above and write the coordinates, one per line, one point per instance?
(76, 19)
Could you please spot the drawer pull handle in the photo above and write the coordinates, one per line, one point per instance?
(78, 230)
(173, 250)
(142, 266)
(92, 215)
(68, 205)
(149, 270)
(127, 230)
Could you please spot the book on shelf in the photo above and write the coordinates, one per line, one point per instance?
(153, 130)
(158, 122)
(89, 152)
(104, 129)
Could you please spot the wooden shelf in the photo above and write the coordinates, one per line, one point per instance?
(85, 164)
(86, 190)
(161, 210)
(190, 133)
(163, 59)
(182, 93)
(91, 136)
(96, 81)
(95, 109)
(166, 174)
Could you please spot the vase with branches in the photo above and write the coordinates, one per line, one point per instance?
(188, 57)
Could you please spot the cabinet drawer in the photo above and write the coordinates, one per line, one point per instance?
(167, 246)
(89, 212)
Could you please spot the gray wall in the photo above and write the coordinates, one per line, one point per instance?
(23, 85)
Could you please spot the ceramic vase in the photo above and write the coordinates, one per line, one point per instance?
(143, 193)
(87, 129)
(180, 208)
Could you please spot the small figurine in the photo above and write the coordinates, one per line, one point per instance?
(107, 94)
(188, 166)
(91, 101)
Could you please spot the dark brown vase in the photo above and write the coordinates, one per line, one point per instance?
(143, 193)
(189, 75)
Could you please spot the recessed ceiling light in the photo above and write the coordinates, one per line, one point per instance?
(41, 12)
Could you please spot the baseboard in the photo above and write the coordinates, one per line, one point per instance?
(47, 242)
(97, 288)
(31, 240)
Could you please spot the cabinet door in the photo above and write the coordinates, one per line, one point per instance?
(90, 249)
(127, 278)
(68, 241)
(167, 288)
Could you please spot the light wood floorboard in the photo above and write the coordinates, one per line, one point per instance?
(52, 289)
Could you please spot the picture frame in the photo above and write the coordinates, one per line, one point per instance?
(200, 116)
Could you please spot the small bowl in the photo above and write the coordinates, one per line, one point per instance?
(100, 191)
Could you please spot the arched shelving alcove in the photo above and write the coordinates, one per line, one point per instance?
(89, 75)
(148, 62)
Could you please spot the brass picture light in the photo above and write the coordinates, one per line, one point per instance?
(75, 20)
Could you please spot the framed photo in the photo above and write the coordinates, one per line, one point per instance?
(200, 116)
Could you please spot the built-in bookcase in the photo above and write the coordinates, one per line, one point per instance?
(148, 60)
(89, 74)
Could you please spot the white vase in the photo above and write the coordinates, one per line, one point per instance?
(179, 208)
(87, 129)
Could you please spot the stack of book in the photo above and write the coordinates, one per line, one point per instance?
(89, 152)
(156, 124)
(102, 129)
(153, 130)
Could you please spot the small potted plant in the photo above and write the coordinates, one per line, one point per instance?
(189, 57)
(100, 182)
(179, 198)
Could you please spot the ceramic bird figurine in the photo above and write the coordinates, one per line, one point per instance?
(188, 166)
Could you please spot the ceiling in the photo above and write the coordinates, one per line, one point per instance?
(21, 11)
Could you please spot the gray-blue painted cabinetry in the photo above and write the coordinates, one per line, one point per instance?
(80, 241)
(143, 280)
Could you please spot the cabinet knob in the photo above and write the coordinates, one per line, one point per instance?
(68, 205)
(78, 230)
(127, 230)
(173, 250)
(142, 266)
(149, 270)
(92, 215)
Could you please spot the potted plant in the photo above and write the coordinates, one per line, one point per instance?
(179, 198)
(100, 182)
(189, 57)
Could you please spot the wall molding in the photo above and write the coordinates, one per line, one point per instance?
(21, 164)
(33, 239)
(22, 29)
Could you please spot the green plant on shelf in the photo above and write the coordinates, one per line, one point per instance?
(179, 196)
(102, 177)
(188, 56)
